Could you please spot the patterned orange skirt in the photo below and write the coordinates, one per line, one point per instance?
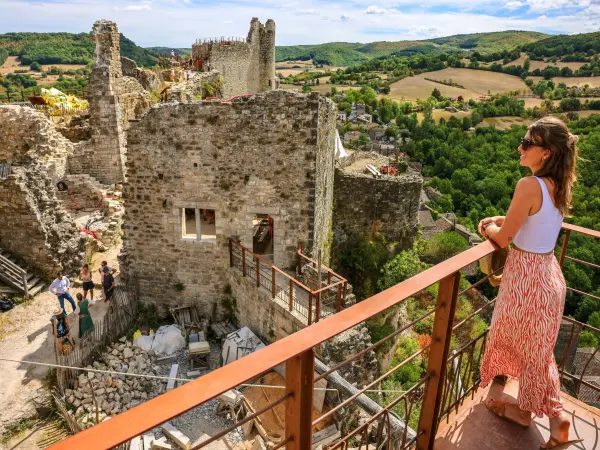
(524, 330)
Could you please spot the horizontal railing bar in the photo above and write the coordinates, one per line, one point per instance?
(584, 326)
(583, 293)
(264, 261)
(573, 377)
(371, 384)
(281, 444)
(483, 280)
(330, 286)
(383, 411)
(242, 422)
(368, 349)
(464, 347)
(579, 261)
(582, 230)
(470, 316)
(11, 264)
(322, 265)
(173, 403)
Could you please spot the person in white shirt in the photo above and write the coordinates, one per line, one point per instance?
(60, 287)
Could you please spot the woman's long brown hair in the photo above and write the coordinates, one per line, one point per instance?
(553, 134)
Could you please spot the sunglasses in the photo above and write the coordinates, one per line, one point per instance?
(526, 143)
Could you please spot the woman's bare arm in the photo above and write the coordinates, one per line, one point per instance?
(518, 211)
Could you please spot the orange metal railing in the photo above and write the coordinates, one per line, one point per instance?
(410, 420)
(311, 304)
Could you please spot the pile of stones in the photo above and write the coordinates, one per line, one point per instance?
(111, 394)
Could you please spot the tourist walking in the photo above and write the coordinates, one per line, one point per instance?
(530, 303)
(108, 284)
(88, 285)
(86, 324)
(61, 331)
(60, 287)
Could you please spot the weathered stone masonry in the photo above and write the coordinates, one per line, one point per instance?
(247, 67)
(272, 154)
(360, 200)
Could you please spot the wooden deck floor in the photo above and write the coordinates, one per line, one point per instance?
(476, 428)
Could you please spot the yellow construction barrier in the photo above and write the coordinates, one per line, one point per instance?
(60, 103)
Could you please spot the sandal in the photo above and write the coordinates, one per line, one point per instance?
(560, 445)
(499, 408)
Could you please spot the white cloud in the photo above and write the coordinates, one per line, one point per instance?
(305, 12)
(142, 7)
(228, 21)
(344, 18)
(514, 5)
(373, 9)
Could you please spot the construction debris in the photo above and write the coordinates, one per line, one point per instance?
(239, 344)
(176, 436)
(173, 374)
(134, 444)
(325, 436)
(161, 444)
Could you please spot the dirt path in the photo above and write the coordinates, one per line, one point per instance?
(27, 335)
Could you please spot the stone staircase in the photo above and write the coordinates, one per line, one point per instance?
(14, 280)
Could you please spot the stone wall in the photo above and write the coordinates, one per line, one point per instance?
(105, 156)
(198, 85)
(149, 79)
(256, 156)
(35, 226)
(393, 201)
(247, 66)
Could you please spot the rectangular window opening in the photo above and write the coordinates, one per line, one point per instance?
(262, 236)
(188, 219)
(208, 225)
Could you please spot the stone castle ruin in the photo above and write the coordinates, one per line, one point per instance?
(246, 65)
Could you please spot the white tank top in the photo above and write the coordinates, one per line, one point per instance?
(540, 231)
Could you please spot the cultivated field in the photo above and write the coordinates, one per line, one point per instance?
(296, 71)
(543, 64)
(438, 114)
(573, 81)
(477, 83)
(12, 63)
(322, 88)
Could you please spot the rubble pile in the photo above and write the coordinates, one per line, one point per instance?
(113, 394)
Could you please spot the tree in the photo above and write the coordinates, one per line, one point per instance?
(363, 140)
(594, 320)
(36, 66)
(436, 93)
(405, 265)
(527, 65)
(463, 180)
(444, 246)
(306, 89)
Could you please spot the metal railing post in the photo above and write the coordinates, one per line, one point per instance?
(273, 275)
(310, 296)
(257, 272)
(563, 250)
(317, 307)
(244, 261)
(299, 381)
(291, 295)
(338, 303)
(436, 367)
(344, 294)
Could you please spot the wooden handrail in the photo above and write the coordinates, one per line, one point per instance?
(327, 269)
(11, 264)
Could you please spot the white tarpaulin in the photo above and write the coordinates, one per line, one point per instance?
(239, 344)
(167, 340)
(340, 152)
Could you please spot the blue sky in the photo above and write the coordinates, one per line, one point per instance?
(177, 23)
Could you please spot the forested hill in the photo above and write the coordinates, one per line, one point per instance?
(64, 48)
(346, 54)
(565, 45)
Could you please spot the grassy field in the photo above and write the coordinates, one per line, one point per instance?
(438, 114)
(322, 88)
(476, 82)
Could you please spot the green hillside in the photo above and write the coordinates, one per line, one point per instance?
(346, 54)
(167, 50)
(63, 48)
(588, 43)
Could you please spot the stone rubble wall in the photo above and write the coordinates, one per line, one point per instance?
(246, 67)
(149, 79)
(196, 87)
(361, 200)
(256, 156)
(135, 100)
(36, 228)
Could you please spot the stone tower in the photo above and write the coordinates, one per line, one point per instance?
(108, 138)
(247, 65)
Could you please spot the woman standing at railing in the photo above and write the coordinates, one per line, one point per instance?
(531, 299)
